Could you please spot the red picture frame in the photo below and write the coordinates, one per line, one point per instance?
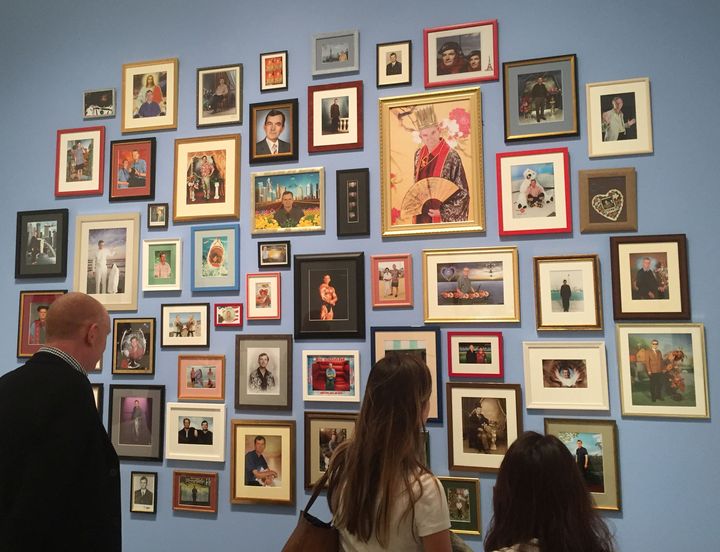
(340, 131)
(137, 184)
(207, 480)
(385, 294)
(488, 350)
(226, 319)
(30, 333)
(79, 161)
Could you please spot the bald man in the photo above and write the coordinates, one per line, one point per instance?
(59, 473)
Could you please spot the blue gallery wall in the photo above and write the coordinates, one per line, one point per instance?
(53, 50)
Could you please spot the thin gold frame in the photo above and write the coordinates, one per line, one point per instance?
(473, 482)
(125, 129)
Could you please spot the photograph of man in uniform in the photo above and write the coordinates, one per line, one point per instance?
(38, 327)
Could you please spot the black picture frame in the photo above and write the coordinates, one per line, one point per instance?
(125, 330)
(265, 59)
(142, 507)
(143, 441)
(56, 241)
(157, 224)
(215, 111)
(353, 202)
(387, 75)
(136, 187)
(287, 139)
(168, 327)
(264, 260)
(348, 272)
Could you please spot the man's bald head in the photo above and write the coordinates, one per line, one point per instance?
(70, 315)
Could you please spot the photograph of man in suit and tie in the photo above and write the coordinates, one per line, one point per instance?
(142, 497)
(273, 129)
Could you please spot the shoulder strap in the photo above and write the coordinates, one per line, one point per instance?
(319, 486)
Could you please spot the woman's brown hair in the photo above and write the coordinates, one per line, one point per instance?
(385, 450)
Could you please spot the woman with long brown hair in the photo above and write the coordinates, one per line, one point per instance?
(541, 502)
(381, 493)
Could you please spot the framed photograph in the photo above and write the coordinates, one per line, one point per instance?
(331, 376)
(566, 375)
(475, 355)
(162, 264)
(264, 296)
(274, 71)
(185, 325)
(477, 284)
(135, 421)
(99, 104)
(41, 242)
(143, 492)
(461, 54)
(594, 444)
(274, 128)
(263, 372)
(422, 342)
(195, 431)
(215, 253)
(207, 178)
(32, 320)
(97, 389)
(330, 296)
(274, 254)
(391, 278)
(431, 163)
(463, 500)
(132, 169)
(663, 370)
(608, 200)
(288, 201)
(650, 277)
(353, 202)
(394, 63)
(157, 216)
(324, 431)
(133, 346)
(540, 97)
(106, 258)
(567, 293)
(263, 462)
(534, 192)
(336, 52)
(201, 377)
(219, 95)
(484, 420)
(619, 117)
(80, 161)
(149, 95)
(195, 491)
(335, 116)
(228, 315)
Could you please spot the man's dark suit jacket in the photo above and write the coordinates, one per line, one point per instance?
(262, 148)
(140, 499)
(393, 70)
(59, 473)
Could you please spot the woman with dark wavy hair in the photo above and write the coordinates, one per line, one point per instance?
(541, 503)
(381, 493)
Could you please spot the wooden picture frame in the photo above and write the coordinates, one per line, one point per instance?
(336, 52)
(423, 342)
(228, 315)
(193, 441)
(657, 291)
(157, 216)
(619, 128)
(134, 346)
(136, 422)
(475, 354)
(448, 291)
(143, 498)
(599, 438)
(461, 54)
(329, 296)
(274, 132)
(41, 244)
(132, 169)
(567, 292)
(159, 78)
(677, 380)
(201, 377)
(274, 73)
(185, 325)
(207, 178)
(533, 189)
(331, 376)
(99, 104)
(484, 420)
(335, 117)
(32, 325)
(353, 202)
(393, 62)
(263, 294)
(540, 98)
(205, 487)
(274, 254)
(80, 161)
(215, 258)
(162, 264)
(608, 200)
(219, 96)
(255, 390)
(566, 375)
(417, 199)
(278, 453)
(391, 279)
(303, 211)
(463, 500)
(115, 286)
(324, 431)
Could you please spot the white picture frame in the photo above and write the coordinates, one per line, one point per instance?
(310, 389)
(175, 412)
(151, 248)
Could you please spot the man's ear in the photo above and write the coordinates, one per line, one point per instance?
(92, 334)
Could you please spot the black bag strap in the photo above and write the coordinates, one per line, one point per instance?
(319, 486)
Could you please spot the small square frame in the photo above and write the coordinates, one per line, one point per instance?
(212, 385)
(137, 440)
(274, 73)
(158, 215)
(265, 301)
(489, 365)
(316, 389)
(608, 200)
(96, 104)
(49, 242)
(207, 480)
(325, 61)
(192, 450)
(169, 327)
(278, 349)
(398, 74)
(274, 254)
(378, 266)
(232, 318)
(331, 129)
(142, 330)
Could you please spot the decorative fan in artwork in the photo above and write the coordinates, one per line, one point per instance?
(425, 194)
